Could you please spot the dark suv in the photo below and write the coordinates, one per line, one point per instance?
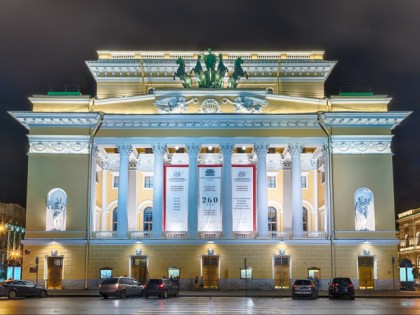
(161, 288)
(340, 287)
(121, 287)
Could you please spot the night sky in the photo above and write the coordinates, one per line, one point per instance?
(46, 42)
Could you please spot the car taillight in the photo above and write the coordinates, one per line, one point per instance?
(350, 284)
(293, 287)
(333, 284)
(311, 286)
(117, 285)
(145, 286)
(99, 286)
(161, 286)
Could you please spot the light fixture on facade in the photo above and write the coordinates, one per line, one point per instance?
(54, 252)
(210, 252)
(282, 252)
(138, 251)
(366, 252)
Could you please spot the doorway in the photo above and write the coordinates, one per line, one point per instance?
(210, 266)
(281, 272)
(139, 268)
(366, 277)
(55, 272)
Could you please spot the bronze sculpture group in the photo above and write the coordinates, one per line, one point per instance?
(210, 78)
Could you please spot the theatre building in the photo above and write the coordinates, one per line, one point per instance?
(234, 166)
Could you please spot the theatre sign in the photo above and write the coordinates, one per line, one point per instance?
(187, 163)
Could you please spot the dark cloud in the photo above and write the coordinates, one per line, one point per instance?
(45, 42)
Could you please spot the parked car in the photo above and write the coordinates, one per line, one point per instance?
(304, 288)
(121, 287)
(341, 287)
(161, 288)
(21, 288)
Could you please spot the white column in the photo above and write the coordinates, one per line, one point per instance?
(262, 199)
(227, 190)
(159, 151)
(328, 215)
(297, 210)
(314, 163)
(193, 151)
(104, 200)
(122, 226)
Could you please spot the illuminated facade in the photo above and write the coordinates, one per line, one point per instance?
(188, 164)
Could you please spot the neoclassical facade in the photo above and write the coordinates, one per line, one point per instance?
(223, 165)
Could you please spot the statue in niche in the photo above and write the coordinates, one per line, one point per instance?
(56, 210)
(364, 210)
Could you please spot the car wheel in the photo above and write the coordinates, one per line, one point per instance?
(12, 294)
(165, 294)
(146, 296)
(176, 293)
(123, 294)
(104, 296)
(42, 294)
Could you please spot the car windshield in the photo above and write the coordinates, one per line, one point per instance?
(303, 282)
(110, 281)
(342, 281)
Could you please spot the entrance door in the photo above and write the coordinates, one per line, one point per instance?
(281, 272)
(366, 280)
(139, 268)
(55, 272)
(210, 272)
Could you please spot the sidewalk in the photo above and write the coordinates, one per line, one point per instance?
(249, 293)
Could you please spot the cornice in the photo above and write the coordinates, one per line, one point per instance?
(207, 121)
(40, 119)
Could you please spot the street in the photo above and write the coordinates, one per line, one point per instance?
(208, 305)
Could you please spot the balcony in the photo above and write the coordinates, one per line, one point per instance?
(139, 235)
(104, 235)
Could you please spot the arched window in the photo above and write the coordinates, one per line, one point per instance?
(115, 219)
(305, 219)
(272, 219)
(147, 219)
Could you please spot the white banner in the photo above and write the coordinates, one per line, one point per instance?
(243, 198)
(176, 198)
(209, 210)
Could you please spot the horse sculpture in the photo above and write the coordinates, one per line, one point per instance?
(180, 73)
(237, 74)
(220, 74)
(199, 73)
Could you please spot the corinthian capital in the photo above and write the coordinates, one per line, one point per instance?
(226, 148)
(124, 149)
(261, 149)
(159, 148)
(193, 149)
(295, 148)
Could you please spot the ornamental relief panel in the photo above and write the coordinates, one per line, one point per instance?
(362, 147)
(59, 147)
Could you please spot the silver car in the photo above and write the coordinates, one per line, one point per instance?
(304, 288)
(121, 287)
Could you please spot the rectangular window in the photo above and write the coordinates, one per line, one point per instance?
(271, 181)
(148, 182)
(304, 181)
(116, 181)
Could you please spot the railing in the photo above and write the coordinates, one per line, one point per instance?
(210, 235)
(64, 90)
(280, 234)
(316, 234)
(176, 235)
(139, 235)
(104, 234)
(244, 235)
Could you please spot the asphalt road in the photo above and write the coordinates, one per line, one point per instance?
(207, 305)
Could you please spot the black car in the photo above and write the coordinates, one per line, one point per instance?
(341, 287)
(161, 288)
(304, 288)
(21, 288)
(121, 287)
